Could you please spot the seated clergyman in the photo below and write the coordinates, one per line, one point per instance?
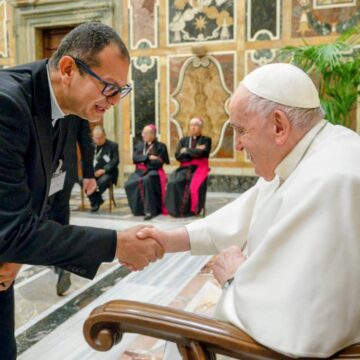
(186, 191)
(106, 161)
(145, 188)
(296, 285)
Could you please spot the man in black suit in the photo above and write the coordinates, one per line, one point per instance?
(78, 132)
(106, 161)
(85, 76)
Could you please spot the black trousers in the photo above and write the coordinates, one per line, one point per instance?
(103, 182)
(7, 325)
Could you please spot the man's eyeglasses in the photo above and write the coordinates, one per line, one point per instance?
(109, 89)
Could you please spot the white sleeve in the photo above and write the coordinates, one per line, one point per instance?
(225, 227)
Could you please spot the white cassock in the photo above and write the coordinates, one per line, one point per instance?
(298, 292)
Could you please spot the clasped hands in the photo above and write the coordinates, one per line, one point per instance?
(145, 244)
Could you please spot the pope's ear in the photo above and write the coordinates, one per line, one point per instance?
(281, 126)
(67, 69)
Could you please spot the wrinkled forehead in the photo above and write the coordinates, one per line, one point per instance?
(148, 130)
(238, 106)
(196, 121)
(98, 134)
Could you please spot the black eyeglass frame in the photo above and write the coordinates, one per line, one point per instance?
(109, 89)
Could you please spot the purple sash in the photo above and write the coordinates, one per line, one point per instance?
(163, 181)
(199, 176)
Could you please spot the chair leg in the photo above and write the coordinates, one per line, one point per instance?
(113, 198)
(82, 197)
(110, 197)
(193, 352)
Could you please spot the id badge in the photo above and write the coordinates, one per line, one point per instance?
(106, 158)
(57, 180)
(57, 183)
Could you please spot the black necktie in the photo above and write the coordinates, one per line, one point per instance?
(55, 135)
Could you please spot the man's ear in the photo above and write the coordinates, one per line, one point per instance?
(66, 69)
(281, 126)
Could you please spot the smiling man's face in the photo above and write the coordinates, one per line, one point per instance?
(85, 93)
(253, 134)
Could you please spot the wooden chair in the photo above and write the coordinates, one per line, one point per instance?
(198, 337)
(111, 198)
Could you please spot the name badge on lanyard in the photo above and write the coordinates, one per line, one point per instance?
(57, 180)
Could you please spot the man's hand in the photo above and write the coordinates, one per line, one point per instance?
(175, 240)
(200, 147)
(226, 263)
(89, 186)
(8, 272)
(153, 157)
(183, 150)
(99, 173)
(135, 253)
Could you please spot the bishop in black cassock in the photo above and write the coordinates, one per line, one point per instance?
(186, 191)
(145, 188)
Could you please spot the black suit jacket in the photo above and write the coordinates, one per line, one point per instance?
(78, 131)
(27, 163)
(108, 159)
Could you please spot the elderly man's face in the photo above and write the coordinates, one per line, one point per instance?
(252, 134)
(148, 134)
(85, 95)
(99, 138)
(195, 128)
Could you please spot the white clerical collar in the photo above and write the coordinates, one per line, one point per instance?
(291, 161)
(56, 112)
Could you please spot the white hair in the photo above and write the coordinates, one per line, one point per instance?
(299, 117)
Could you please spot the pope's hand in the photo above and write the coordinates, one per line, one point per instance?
(8, 272)
(226, 263)
(154, 233)
(135, 253)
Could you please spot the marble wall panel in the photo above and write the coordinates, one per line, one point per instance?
(192, 21)
(143, 21)
(144, 104)
(320, 4)
(3, 30)
(263, 19)
(326, 17)
(256, 58)
(202, 87)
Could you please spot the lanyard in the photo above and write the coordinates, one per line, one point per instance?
(146, 152)
(97, 154)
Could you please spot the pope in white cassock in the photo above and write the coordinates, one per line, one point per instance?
(296, 285)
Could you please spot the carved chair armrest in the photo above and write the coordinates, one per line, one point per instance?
(198, 334)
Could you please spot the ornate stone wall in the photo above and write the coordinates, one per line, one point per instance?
(187, 58)
(7, 51)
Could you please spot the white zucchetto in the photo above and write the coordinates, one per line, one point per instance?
(285, 84)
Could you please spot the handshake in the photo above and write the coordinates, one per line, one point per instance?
(138, 246)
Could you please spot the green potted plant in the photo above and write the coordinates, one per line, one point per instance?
(336, 70)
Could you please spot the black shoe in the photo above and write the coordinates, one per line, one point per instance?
(148, 217)
(96, 207)
(63, 283)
